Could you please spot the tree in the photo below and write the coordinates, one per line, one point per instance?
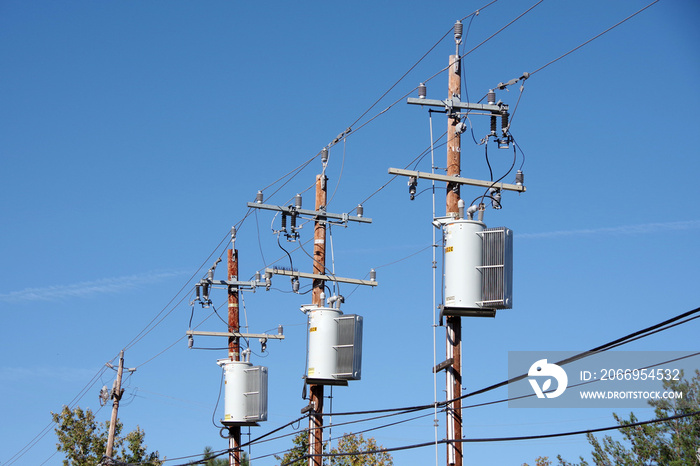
(541, 461)
(670, 443)
(295, 456)
(84, 440)
(348, 443)
(221, 460)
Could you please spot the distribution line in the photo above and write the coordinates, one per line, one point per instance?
(669, 323)
(47, 429)
(139, 336)
(593, 38)
(356, 421)
(665, 325)
(383, 426)
(474, 13)
(484, 41)
(504, 439)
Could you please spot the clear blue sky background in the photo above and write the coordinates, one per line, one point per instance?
(132, 134)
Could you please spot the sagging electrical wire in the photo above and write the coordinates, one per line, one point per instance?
(593, 38)
(417, 159)
(329, 440)
(483, 42)
(503, 400)
(665, 325)
(174, 343)
(151, 325)
(472, 15)
(388, 264)
(498, 439)
(95, 378)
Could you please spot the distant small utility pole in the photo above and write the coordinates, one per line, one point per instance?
(117, 393)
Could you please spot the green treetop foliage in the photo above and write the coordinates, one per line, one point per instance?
(295, 456)
(221, 460)
(84, 440)
(671, 443)
(348, 443)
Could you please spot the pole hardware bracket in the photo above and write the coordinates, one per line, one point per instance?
(320, 216)
(443, 365)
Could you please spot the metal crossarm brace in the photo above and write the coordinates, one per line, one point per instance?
(456, 104)
(457, 179)
(314, 276)
(235, 335)
(314, 214)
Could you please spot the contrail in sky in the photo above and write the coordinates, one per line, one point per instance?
(88, 288)
(622, 230)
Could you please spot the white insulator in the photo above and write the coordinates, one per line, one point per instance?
(422, 91)
(458, 31)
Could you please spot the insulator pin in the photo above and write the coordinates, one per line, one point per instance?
(259, 197)
(360, 210)
(297, 201)
(324, 155)
(519, 178)
(373, 275)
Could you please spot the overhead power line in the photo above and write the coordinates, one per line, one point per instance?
(500, 439)
(665, 325)
(593, 38)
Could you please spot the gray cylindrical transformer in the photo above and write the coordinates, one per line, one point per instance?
(323, 338)
(245, 394)
(463, 257)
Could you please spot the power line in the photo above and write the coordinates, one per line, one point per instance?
(502, 439)
(476, 12)
(593, 38)
(484, 41)
(47, 429)
(605, 347)
(146, 330)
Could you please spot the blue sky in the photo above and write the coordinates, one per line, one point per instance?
(133, 135)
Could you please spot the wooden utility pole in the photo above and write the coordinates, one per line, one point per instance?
(234, 350)
(319, 267)
(116, 396)
(454, 323)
